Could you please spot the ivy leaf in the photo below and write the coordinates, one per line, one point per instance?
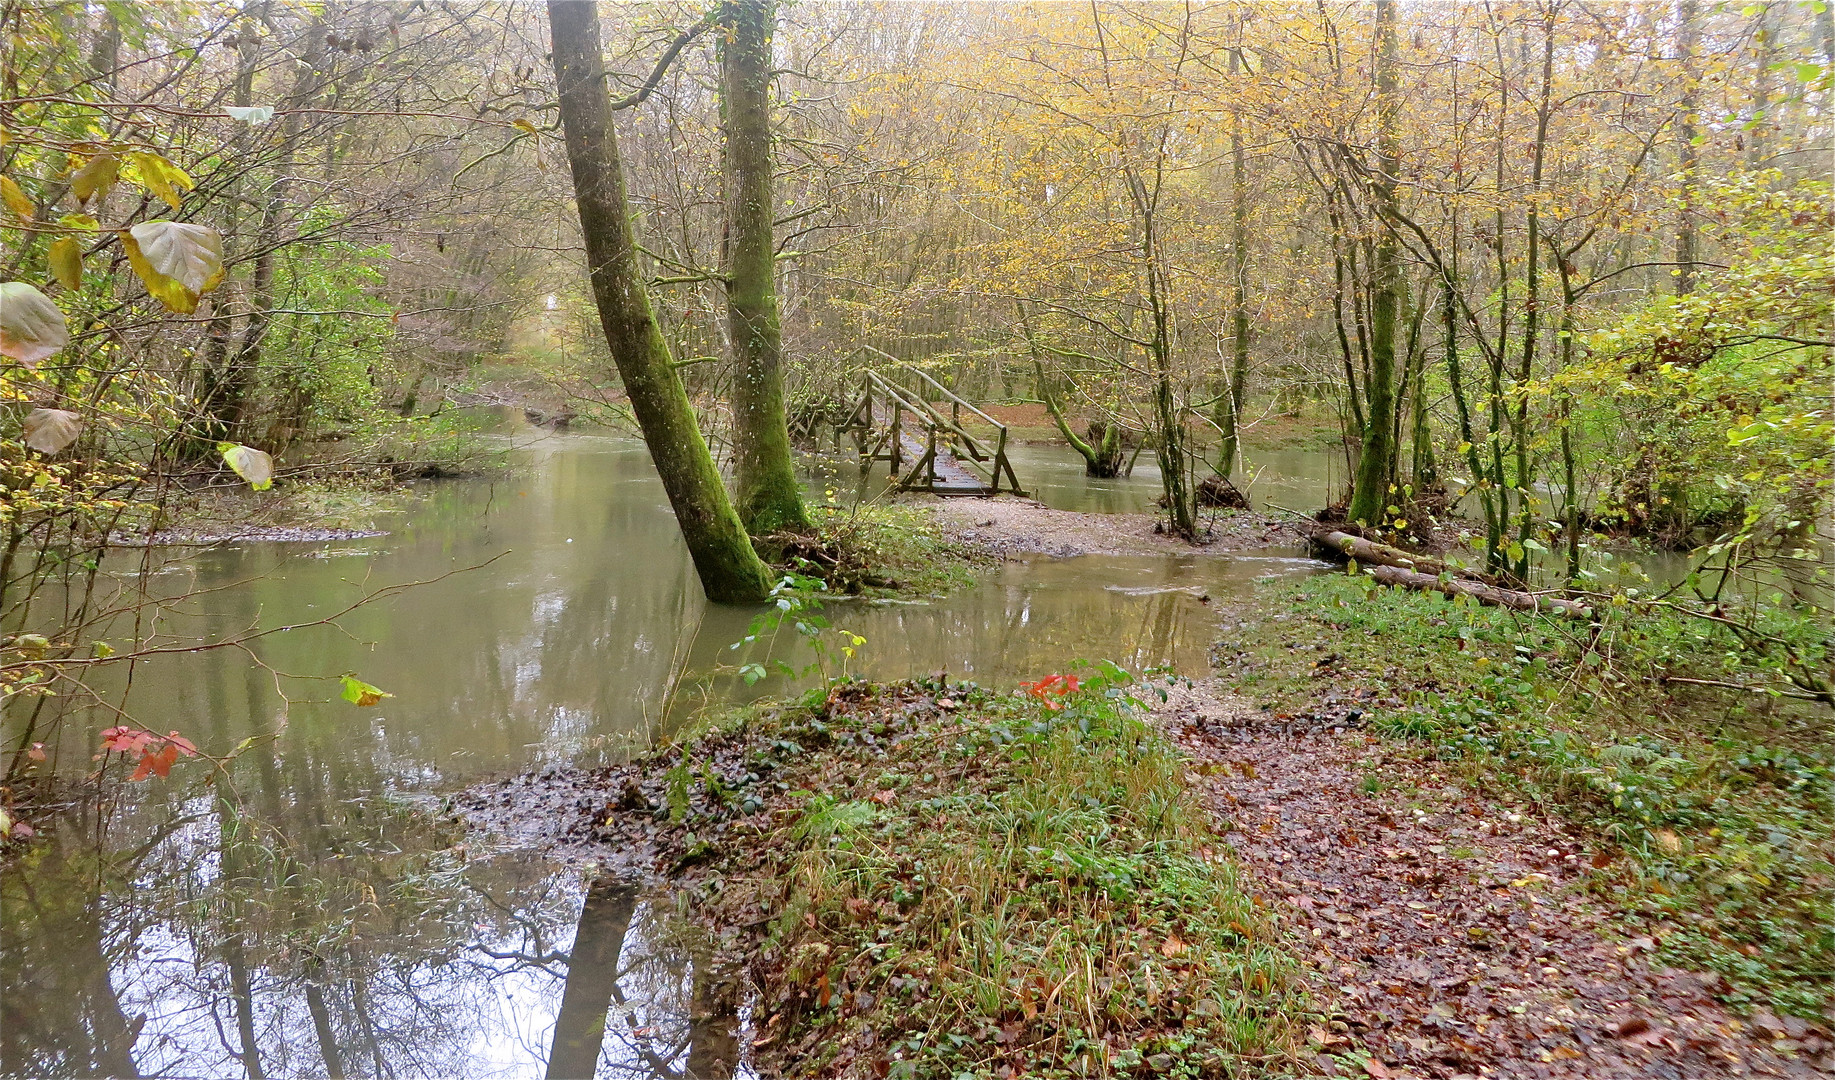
(31, 326)
(161, 177)
(95, 177)
(178, 261)
(251, 115)
(50, 430)
(249, 463)
(362, 694)
(16, 199)
(66, 257)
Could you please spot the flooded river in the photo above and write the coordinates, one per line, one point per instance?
(316, 913)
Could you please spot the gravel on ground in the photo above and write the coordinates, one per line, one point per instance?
(1008, 525)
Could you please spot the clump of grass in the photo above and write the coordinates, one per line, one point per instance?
(878, 549)
(1002, 885)
(1722, 800)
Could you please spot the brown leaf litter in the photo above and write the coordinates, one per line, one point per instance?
(1442, 931)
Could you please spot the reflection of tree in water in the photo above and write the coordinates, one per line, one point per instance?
(641, 1005)
(212, 948)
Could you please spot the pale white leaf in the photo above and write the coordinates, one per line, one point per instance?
(250, 114)
(178, 261)
(50, 430)
(250, 464)
(31, 326)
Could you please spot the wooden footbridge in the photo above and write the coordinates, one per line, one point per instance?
(916, 424)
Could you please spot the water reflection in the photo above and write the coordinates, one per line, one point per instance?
(311, 912)
(167, 960)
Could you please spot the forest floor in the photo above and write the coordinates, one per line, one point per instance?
(1444, 930)
(1009, 525)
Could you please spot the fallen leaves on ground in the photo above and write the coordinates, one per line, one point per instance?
(1443, 930)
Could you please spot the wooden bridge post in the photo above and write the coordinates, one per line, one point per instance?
(897, 449)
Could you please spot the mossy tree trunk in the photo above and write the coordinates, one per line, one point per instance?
(1376, 462)
(729, 569)
(766, 489)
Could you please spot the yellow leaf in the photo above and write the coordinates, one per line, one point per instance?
(16, 199)
(95, 177)
(161, 177)
(66, 257)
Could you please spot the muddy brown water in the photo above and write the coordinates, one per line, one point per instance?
(326, 917)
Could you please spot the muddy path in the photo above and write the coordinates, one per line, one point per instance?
(1446, 932)
(1010, 525)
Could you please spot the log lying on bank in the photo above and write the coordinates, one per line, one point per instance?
(1478, 590)
(1407, 570)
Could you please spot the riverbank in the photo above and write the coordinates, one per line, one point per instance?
(928, 879)
(1008, 525)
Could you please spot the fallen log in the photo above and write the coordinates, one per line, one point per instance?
(1407, 570)
(1479, 591)
(1342, 545)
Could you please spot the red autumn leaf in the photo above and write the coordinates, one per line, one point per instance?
(122, 739)
(185, 746)
(158, 763)
(1376, 1069)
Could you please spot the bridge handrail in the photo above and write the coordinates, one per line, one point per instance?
(906, 399)
(951, 395)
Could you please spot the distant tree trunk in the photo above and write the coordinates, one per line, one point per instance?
(767, 493)
(219, 395)
(1688, 36)
(1764, 34)
(1101, 452)
(1532, 309)
(230, 397)
(105, 50)
(1229, 419)
(1376, 461)
(730, 570)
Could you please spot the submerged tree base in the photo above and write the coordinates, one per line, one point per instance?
(877, 549)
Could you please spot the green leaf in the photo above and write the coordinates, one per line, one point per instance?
(178, 261)
(362, 694)
(66, 258)
(50, 430)
(249, 463)
(31, 326)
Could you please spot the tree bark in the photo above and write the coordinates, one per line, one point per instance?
(1376, 461)
(1230, 420)
(1688, 35)
(767, 494)
(729, 569)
